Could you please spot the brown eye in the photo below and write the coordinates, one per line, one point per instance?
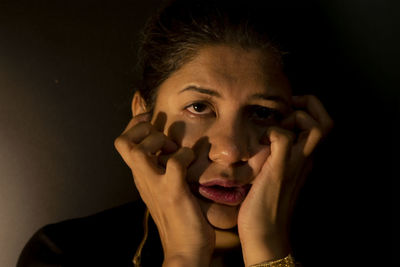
(199, 108)
(264, 113)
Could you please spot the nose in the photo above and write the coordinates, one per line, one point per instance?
(229, 144)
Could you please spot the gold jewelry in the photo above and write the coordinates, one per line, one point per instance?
(287, 261)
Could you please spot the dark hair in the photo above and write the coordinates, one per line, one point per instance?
(174, 35)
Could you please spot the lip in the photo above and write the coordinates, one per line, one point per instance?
(223, 191)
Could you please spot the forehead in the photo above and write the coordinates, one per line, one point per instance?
(232, 71)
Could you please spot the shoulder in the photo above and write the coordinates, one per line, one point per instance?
(105, 237)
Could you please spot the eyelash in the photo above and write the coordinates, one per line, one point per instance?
(273, 114)
(197, 103)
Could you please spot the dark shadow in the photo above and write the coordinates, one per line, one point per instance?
(177, 131)
(159, 122)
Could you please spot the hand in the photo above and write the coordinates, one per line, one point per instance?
(186, 236)
(264, 216)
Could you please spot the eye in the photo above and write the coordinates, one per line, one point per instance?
(261, 113)
(199, 108)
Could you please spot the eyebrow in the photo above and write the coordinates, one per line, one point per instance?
(210, 92)
(200, 90)
(275, 98)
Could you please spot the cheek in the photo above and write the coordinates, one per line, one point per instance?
(257, 161)
(183, 133)
(193, 134)
(195, 138)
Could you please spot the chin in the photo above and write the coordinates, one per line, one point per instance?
(220, 216)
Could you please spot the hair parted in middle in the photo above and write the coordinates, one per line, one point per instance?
(174, 35)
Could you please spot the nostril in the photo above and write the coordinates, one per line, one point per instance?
(228, 148)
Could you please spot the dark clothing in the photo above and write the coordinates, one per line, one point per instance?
(108, 238)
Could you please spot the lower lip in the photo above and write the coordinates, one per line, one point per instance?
(225, 195)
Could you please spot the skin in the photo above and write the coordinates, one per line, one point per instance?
(227, 132)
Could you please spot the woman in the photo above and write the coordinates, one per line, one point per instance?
(218, 147)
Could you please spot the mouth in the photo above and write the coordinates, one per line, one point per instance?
(223, 192)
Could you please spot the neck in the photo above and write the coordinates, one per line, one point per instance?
(227, 245)
(226, 239)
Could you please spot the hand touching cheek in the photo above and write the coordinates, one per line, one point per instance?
(264, 216)
(186, 236)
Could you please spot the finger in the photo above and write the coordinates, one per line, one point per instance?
(141, 130)
(127, 141)
(153, 143)
(138, 128)
(177, 167)
(159, 125)
(169, 146)
(281, 143)
(317, 110)
(299, 119)
(289, 122)
(143, 117)
(139, 133)
(141, 158)
(311, 133)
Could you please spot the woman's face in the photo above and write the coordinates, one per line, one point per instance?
(220, 105)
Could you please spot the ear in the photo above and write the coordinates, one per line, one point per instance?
(138, 104)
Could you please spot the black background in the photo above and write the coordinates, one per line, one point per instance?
(67, 75)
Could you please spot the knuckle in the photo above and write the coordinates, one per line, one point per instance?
(137, 151)
(159, 135)
(284, 136)
(301, 114)
(157, 139)
(146, 126)
(120, 142)
(117, 142)
(287, 138)
(274, 130)
(143, 126)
